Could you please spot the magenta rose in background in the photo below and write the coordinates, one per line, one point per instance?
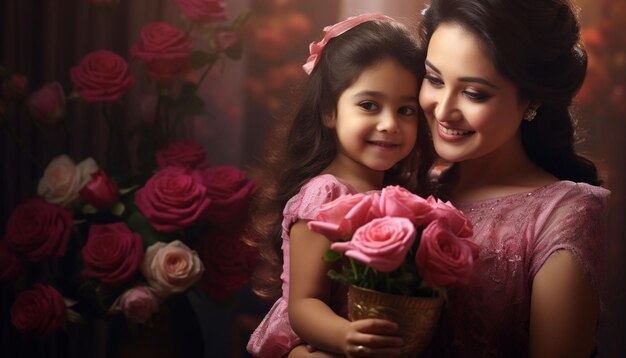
(171, 268)
(112, 253)
(101, 191)
(47, 104)
(102, 76)
(182, 153)
(63, 179)
(38, 229)
(15, 87)
(229, 262)
(443, 258)
(10, 263)
(164, 51)
(381, 243)
(39, 311)
(340, 218)
(137, 304)
(230, 192)
(203, 10)
(172, 199)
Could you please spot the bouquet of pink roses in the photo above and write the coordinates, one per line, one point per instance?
(398, 242)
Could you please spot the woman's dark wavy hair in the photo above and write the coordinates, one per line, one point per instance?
(536, 45)
(302, 147)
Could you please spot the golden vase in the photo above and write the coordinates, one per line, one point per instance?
(416, 316)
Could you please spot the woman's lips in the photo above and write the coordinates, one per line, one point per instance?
(452, 135)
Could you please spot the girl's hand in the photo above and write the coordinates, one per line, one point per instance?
(372, 338)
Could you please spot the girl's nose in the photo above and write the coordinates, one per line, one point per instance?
(388, 122)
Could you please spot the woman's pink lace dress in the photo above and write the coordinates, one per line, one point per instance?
(274, 337)
(517, 234)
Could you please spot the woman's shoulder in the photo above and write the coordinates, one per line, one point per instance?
(315, 192)
(566, 190)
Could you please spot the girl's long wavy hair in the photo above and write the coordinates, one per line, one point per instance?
(302, 147)
(536, 45)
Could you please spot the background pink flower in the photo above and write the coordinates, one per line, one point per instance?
(39, 229)
(164, 51)
(382, 243)
(443, 258)
(63, 179)
(101, 191)
(230, 192)
(171, 268)
(39, 311)
(182, 153)
(15, 87)
(102, 76)
(203, 10)
(137, 304)
(112, 253)
(174, 198)
(47, 104)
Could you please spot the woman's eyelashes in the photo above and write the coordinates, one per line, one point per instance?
(471, 94)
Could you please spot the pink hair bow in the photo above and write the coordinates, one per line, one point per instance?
(315, 48)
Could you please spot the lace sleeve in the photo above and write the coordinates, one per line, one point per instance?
(575, 221)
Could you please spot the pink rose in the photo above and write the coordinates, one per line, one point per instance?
(101, 191)
(10, 264)
(171, 268)
(102, 76)
(182, 153)
(230, 192)
(203, 10)
(112, 253)
(229, 262)
(63, 179)
(164, 51)
(457, 221)
(339, 219)
(39, 229)
(172, 199)
(382, 243)
(47, 104)
(39, 311)
(137, 304)
(397, 201)
(15, 87)
(443, 258)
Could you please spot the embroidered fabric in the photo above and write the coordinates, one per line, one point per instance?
(517, 234)
(274, 336)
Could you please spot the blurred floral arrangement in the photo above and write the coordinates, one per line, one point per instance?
(95, 241)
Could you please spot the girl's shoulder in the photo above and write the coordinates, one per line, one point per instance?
(315, 192)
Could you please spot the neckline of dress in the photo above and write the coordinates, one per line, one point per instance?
(509, 197)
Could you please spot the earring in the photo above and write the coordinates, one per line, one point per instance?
(530, 114)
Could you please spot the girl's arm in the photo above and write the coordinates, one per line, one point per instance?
(311, 317)
(563, 311)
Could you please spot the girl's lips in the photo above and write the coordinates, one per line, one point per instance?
(452, 135)
(382, 144)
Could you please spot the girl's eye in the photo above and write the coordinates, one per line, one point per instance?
(368, 106)
(476, 96)
(407, 111)
(436, 82)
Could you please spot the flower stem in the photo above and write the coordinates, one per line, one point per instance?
(355, 273)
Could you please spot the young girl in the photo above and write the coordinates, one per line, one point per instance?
(500, 78)
(354, 131)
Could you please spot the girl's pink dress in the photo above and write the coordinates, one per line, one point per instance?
(274, 337)
(517, 234)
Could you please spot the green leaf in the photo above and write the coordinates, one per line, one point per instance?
(118, 209)
(235, 52)
(241, 19)
(331, 256)
(139, 224)
(125, 191)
